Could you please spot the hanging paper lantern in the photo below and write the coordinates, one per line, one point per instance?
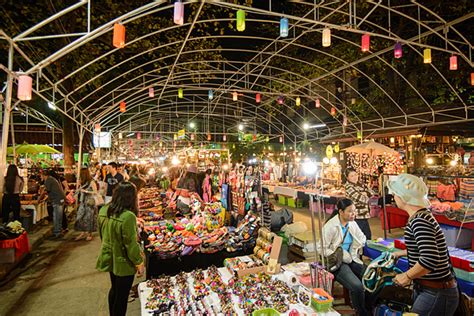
(235, 96)
(258, 98)
(123, 107)
(25, 86)
(119, 35)
(317, 103)
(224, 137)
(180, 93)
(280, 100)
(453, 62)
(120, 135)
(254, 137)
(397, 50)
(344, 121)
(209, 136)
(427, 55)
(298, 101)
(472, 78)
(192, 136)
(281, 139)
(97, 127)
(151, 92)
(326, 37)
(284, 27)
(333, 111)
(240, 20)
(139, 135)
(267, 139)
(178, 13)
(365, 43)
(210, 95)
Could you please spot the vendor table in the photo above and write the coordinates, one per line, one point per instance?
(155, 266)
(40, 210)
(397, 218)
(20, 245)
(144, 292)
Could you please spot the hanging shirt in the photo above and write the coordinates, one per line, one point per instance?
(346, 243)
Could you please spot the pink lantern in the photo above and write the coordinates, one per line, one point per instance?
(280, 100)
(139, 135)
(344, 121)
(97, 127)
(178, 13)
(317, 103)
(151, 92)
(192, 136)
(365, 42)
(224, 137)
(258, 98)
(453, 62)
(25, 84)
(281, 139)
(397, 50)
(333, 111)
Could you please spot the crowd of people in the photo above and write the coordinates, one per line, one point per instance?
(107, 203)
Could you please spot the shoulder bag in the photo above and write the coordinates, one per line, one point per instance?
(334, 260)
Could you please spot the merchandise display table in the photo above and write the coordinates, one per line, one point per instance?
(213, 298)
(397, 218)
(19, 246)
(40, 210)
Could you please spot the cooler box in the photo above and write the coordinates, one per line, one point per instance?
(451, 233)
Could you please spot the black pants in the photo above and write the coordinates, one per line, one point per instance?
(118, 294)
(364, 227)
(11, 203)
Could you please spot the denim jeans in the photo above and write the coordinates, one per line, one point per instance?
(57, 219)
(435, 302)
(350, 276)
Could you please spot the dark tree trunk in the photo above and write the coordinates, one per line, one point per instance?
(68, 141)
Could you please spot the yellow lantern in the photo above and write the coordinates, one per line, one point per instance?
(427, 55)
(326, 37)
(180, 93)
(298, 101)
(240, 20)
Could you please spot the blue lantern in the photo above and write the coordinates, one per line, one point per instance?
(284, 27)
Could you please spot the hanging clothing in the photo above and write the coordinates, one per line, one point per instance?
(206, 189)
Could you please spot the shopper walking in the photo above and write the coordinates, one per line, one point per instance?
(120, 254)
(360, 195)
(435, 287)
(86, 219)
(56, 198)
(342, 231)
(112, 179)
(11, 197)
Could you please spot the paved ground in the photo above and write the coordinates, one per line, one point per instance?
(60, 279)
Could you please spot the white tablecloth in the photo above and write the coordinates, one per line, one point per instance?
(40, 210)
(293, 193)
(144, 292)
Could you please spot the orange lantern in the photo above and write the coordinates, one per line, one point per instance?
(365, 42)
(333, 111)
(25, 84)
(97, 127)
(122, 107)
(472, 78)
(254, 137)
(209, 136)
(258, 98)
(119, 35)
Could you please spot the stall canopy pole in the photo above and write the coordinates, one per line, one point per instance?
(79, 159)
(13, 138)
(6, 119)
(385, 219)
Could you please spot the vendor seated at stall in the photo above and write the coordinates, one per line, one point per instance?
(187, 186)
(342, 230)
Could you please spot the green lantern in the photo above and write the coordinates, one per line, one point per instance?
(180, 93)
(240, 20)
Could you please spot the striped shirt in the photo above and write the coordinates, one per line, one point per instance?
(426, 245)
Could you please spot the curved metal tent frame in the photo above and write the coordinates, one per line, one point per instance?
(248, 76)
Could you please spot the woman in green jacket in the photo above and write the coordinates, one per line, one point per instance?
(120, 254)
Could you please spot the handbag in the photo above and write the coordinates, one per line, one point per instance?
(98, 199)
(334, 260)
(70, 200)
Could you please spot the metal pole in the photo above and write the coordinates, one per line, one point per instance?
(385, 219)
(79, 159)
(13, 138)
(313, 228)
(6, 118)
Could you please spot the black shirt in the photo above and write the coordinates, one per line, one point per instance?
(112, 182)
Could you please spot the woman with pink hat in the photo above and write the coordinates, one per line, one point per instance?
(435, 287)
